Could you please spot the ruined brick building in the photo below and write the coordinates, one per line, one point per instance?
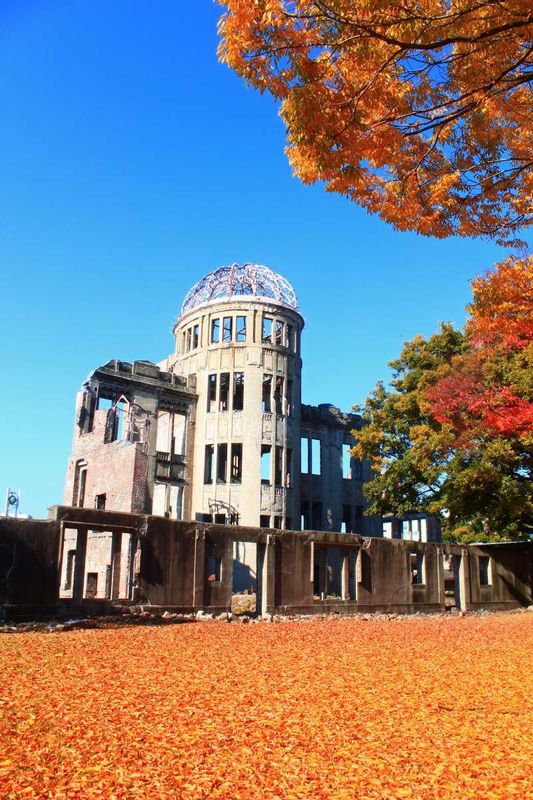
(217, 432)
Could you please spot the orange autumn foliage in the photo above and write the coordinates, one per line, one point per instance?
(428, 709)
(417, 111)
(489, 390)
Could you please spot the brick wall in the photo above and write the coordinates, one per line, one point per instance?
(117, 469)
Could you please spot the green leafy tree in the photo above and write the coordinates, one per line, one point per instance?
(481, 488)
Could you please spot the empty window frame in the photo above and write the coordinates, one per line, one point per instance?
(189, 338)
(266, 336)
(99, 502)
(316, 516)
(266, 457)
(278, 523)
(347, 519)
(215, 331)
(195, 336)
(238, 391)
(417, 567)
(363, 570)
(346, 461)
(266, 403)
(485, 576)
(278, 466)
(209, 463)
(223, 402)
(212, 393)
(236, 463)
(240, 329)
(289, 337)
(227, 329)
(288, 397)
(305, 516)
(214, 569)
(91, 587)
(264, 521)
(80, 483)
(279, 331)
(315, 457)
(278, 396)
(288, 467)
(305, 456)
(69, 571)
(222, 463)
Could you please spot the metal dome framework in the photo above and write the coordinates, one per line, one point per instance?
(240, 280)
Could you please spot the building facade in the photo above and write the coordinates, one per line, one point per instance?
(217, 432)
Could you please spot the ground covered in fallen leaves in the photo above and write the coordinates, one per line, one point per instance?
(342, 708)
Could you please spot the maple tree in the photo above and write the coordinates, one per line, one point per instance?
(314, 710)
(454, 433)
(419, 111)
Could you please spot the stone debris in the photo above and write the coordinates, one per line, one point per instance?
(158, 617)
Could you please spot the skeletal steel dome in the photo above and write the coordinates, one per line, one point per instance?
(240, 280)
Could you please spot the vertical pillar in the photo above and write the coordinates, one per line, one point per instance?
(345, 575)
(464, 580)
(199, 569)
(116, 548)
(267, 578)
(78, 581)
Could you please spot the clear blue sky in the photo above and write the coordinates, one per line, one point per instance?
(131, 163)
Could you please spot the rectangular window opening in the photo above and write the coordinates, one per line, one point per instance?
(316, 516)
(485, 578)
(99, 502)
(222, 463)
(288, 468)
(266, 404)
(224, 392)
(236, 463)
(91, 589)
(212, 393)
(288, 397)
(214, 569)
(305, 456)
(238, 391)
(364, 570)
(227, 329)
(346, 461)
(266, 452)
(416, 562)
(195, 336)
(209, 463)
(189, 338)
(278, 396)
(289, 339)
(215, 331)
(240, 329)
(267, 330)
(279, 332)
(264, 521)
(71, 560)
(278, 466)
(315, 456)
(347, 524)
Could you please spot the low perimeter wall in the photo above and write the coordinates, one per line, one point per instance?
(92, 562)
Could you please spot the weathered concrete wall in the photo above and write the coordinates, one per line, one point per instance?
(28, 568)
(162, 563)
(510, 575)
